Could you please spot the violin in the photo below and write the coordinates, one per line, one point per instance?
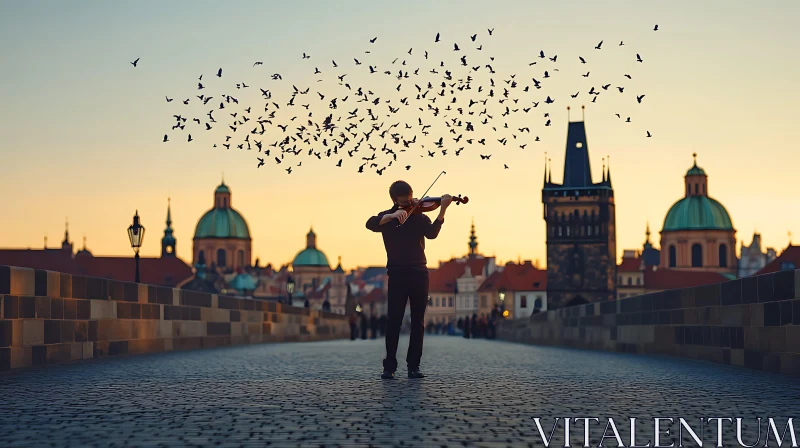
(428, 204)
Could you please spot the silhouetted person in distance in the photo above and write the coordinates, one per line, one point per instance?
(406, 265)
(473, 325)
(353, 319)
(373, 325)
(466, 328)
(460, 323)
(364, 324)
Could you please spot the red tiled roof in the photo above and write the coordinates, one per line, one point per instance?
(516, 277)
(55, 260)
(443, 279)
(662, 279)
(789, 255)
(167, 271)
(629, 265)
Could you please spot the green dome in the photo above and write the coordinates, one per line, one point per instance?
(695, 171)
(244, 282)
(697, 213)
(311, 257)
(222, 188)
(222, 223)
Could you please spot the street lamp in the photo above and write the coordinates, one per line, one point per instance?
(136, 235)
(290, 288)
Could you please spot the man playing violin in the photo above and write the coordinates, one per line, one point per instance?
(404, 239)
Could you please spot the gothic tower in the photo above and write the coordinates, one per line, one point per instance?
(473, 242)
(581, 230)
(168, 241)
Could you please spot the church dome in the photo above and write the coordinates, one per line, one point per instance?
(311, 256)
(244, 282)
(222, 223)
(697, 213)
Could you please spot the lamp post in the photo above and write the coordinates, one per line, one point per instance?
(290, 288)
(136, 235)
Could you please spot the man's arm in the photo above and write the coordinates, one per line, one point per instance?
(431, 229)
(376, 223)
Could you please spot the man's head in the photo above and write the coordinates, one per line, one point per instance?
(401, 193)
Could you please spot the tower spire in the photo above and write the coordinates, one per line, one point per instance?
(473, 241)
(647, 232)
(577, 169)
(604, 169)
(66, 231)
(608, 170)
(550, 172)
(545, 167)
(168, 241)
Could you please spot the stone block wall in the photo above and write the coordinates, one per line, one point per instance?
(752, 322)
(51, 317)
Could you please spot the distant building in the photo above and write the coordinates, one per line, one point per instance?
(167, 270)
(519, 288)
(752, 259)
(580, 229)
(315, 280)
(698, 234)
(222, 236)
(788, 260)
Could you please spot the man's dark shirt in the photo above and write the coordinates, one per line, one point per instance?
(405, 245)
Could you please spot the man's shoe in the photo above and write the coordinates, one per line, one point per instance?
(387, 375)
(415, 373)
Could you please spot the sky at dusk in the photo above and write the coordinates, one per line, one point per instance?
(81, 129)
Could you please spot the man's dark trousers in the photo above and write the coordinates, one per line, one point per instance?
(406, 286)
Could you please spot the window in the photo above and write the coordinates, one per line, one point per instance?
(638, 280)
(630, 281)
(221, 258)
(523, 302)
(201, 257)
(695, 189)
(559, 230)
(697, 255)
(787, 266)
(567, 230)
(450, 302)
(475, 302)
(241, 258)
(597, 230)
(224, 202)
(589, 230)
(673, 257)
(537, 304)
(723, 256)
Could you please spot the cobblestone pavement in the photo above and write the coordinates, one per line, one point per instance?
(478, 393)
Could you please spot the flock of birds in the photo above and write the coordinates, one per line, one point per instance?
(363, 121)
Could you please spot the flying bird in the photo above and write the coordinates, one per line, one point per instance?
(135, 62)
(372, 41)
(639, 98)
(219, 73)
(649, 134)
(258, 63)
(656, 28)
(638, 58)
(598, 45)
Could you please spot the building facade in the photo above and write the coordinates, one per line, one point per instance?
(222, 236)
(581, 229)
(698, 233)
(315, 280)
(752, 259)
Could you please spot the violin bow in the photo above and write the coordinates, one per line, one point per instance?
(423, 197)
